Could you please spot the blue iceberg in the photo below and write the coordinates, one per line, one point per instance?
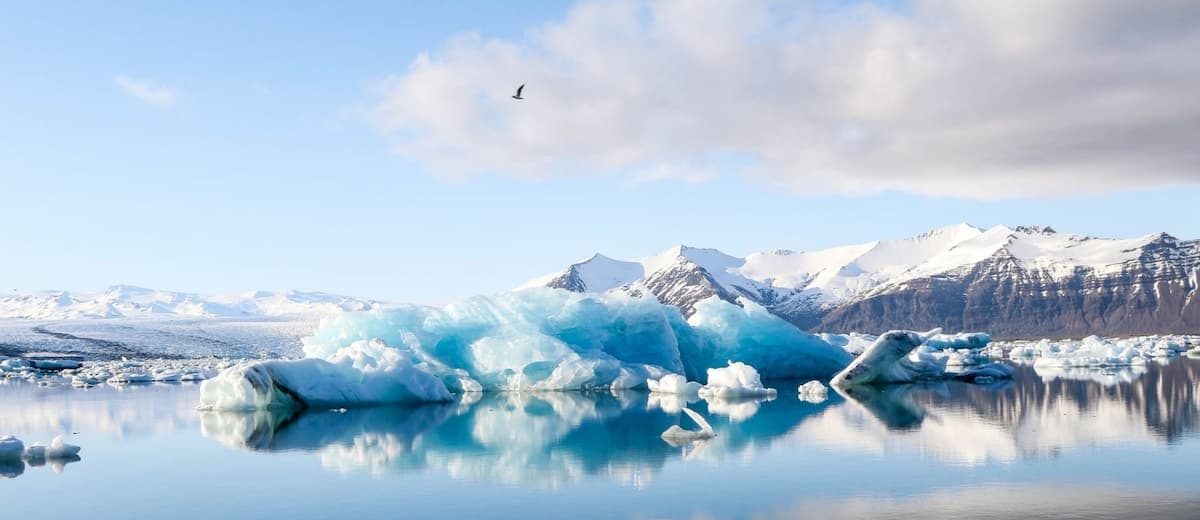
(535, 339)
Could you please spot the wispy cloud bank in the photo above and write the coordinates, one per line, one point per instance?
(986, 98)
(146, 91)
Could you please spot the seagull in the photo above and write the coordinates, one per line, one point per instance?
(519, 89)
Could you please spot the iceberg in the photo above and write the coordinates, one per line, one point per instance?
(11, 448)
(896, 358)
(533, 339)
(734, 381)
(674, 384)
(363, 373)
(56, 450)
(813, 391)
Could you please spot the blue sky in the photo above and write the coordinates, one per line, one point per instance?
(265, 165)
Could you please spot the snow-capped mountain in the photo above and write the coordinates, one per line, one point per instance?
(129, 301)
(1021, 281)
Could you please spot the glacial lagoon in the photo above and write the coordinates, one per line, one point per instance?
(1092, 443)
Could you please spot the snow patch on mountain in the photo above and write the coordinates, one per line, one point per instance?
(126, 301)
(828, 277)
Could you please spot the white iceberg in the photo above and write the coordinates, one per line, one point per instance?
(364, 373)
(56, 450)
(813, 391)
(676, 435)
(674, 384)
(734, 381)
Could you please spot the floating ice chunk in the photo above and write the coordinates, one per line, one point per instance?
(168, 376)
(881, 362)
(85, 381)
(15, 365)
(56, 450)
(56, 364)
(130, 378)
(813, 391)
(895, 358)
(736, 380)
(674, 384)
(676, 435)
(365, 373)
(11, 448)
(1194, 352)
(962, 340)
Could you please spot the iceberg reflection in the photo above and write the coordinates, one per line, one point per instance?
(552, 439)
(546, 439)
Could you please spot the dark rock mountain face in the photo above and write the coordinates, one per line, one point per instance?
(1155, 294)
(685, 283)
(1155, 288)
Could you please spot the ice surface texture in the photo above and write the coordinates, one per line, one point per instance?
(535, 339)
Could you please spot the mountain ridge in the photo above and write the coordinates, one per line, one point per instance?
(126, 301)
(1013, 281)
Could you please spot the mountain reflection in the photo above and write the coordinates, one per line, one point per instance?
(1034, 415)
(557, 438)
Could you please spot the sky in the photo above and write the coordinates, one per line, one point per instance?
(373, 148)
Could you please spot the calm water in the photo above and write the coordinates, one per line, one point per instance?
(1077, 445)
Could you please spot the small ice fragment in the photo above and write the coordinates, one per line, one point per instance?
(813, 391)
(676, 435)
(736, 380)
(56, 450)
(126, 378)
(673, 384)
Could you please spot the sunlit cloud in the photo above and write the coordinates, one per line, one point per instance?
(982, 99)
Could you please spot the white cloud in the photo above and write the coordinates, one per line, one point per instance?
(986, 98)
(146, 91)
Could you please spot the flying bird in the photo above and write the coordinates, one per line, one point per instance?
(519, 89)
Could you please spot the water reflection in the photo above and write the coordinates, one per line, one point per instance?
(1006, 502)
(16, 468)
(557, 439)
(1029, 417)
(34, 411)
(541, 439)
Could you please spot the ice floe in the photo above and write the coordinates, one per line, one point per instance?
(813, 391)
(734, 381)
(674, 384)
(363, 373)
(14, 454)
(1096, 351)
(56, 450)
(907, 356)
(676, 435)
